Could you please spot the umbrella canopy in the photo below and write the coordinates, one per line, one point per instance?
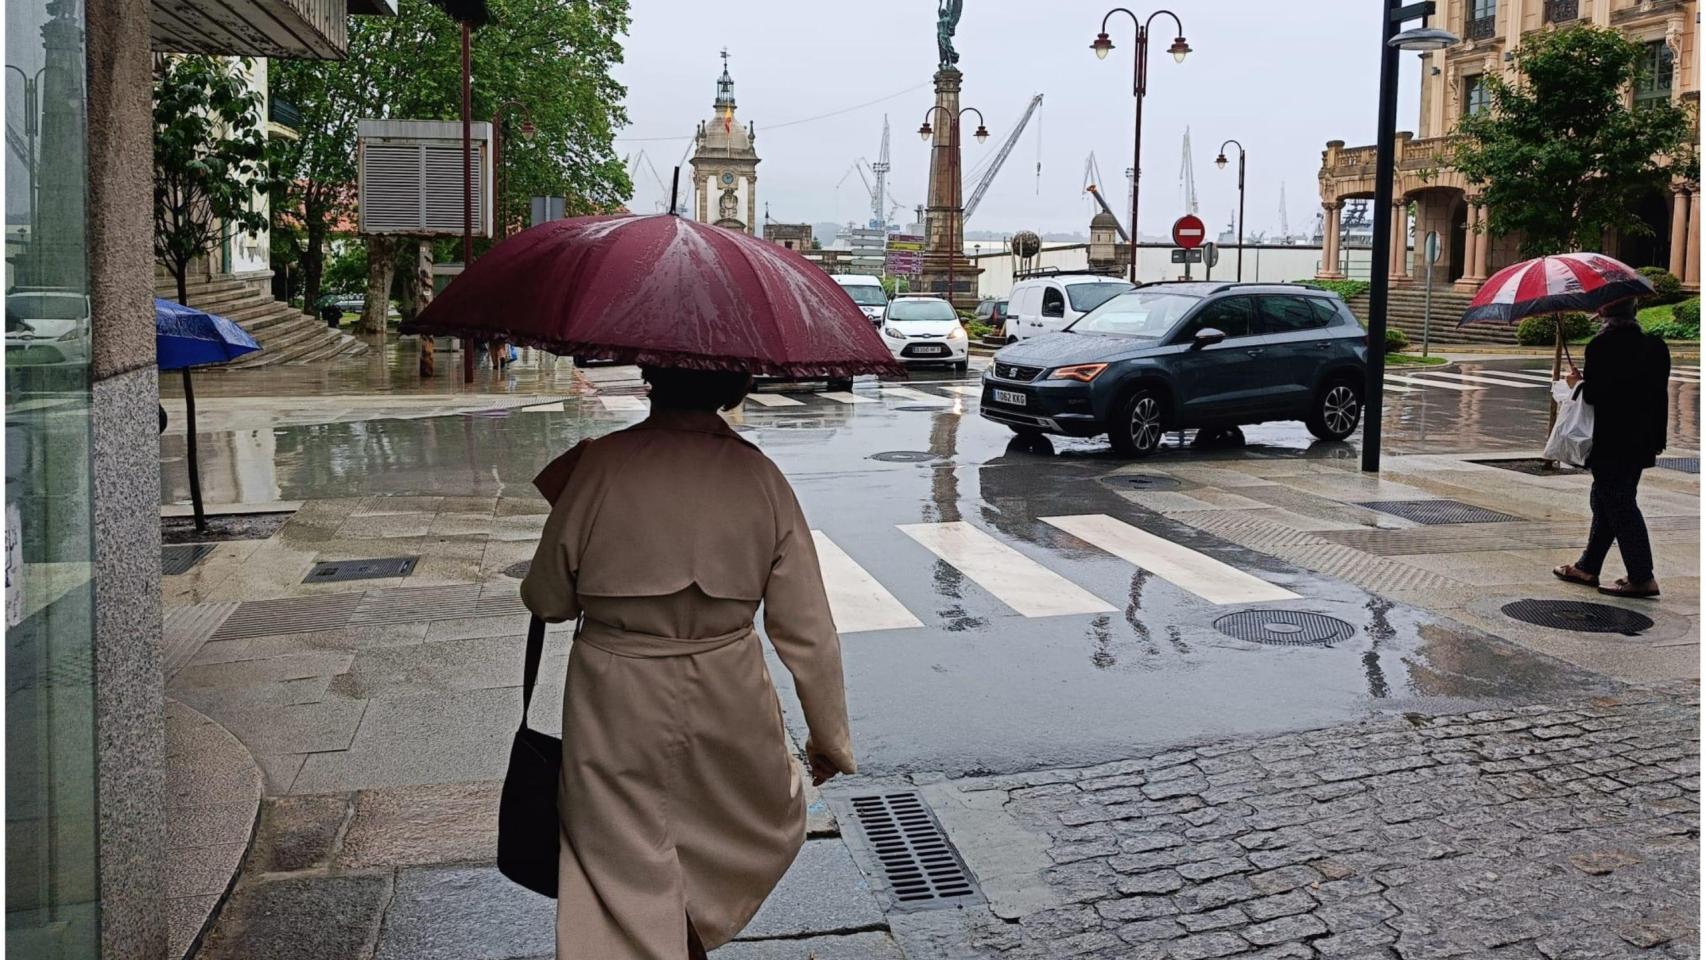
(663, 291)
(1557, 284)
(187, 337)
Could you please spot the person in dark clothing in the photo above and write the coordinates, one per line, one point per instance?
(1626, 378)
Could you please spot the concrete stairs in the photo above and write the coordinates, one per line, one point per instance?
(286, 334)
(1404, 311)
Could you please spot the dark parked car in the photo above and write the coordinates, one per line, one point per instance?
(1177, 355)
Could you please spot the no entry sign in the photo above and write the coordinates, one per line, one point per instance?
(1189, 232)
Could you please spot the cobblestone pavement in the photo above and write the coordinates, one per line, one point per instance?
(1554, 832)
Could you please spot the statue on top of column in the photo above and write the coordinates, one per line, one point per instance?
(947, 18)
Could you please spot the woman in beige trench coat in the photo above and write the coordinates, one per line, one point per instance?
(681, 805)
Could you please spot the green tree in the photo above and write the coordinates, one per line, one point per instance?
(549, 60)
(1560, 156)
(210, 158)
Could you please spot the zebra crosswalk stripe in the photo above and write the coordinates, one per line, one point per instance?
(842, 396)
(856, 600)
(1419, 382)
(774, 400)
(1545, 378)
(907, 393)
(964, 391)
(1016, 580)
(544, 408)
(1175, 563)
(1482, 378)
(624, 404)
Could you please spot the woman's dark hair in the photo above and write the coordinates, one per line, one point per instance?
(1622, 311)
(677, 389)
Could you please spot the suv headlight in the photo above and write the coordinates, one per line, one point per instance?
(894, 333)
(1083, 372)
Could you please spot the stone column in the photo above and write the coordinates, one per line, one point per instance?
(1678, 232)
(1474, 266)
(945, 223)
(1330, 240)
(130, 730)
(1691, 253)
(1400, 265)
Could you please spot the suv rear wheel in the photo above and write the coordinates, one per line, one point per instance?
(1137, 424)
(1336, 412)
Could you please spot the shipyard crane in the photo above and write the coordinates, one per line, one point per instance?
(880, 173)
(635, 162)
(1000, 157)
(1092, 186)
(1285, 222)
(1187, 175)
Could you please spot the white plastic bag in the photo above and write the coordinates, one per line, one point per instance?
(1572, 435)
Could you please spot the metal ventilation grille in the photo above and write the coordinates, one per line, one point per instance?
(1438, 511)
(442, 186)
(391, 187)
(178, 558)
(921, 869)
(333, 571)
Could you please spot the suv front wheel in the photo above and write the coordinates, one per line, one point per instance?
(1137, 425)
(1336, 412)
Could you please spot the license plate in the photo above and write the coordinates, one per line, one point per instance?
(1010, 397)
(929, 351)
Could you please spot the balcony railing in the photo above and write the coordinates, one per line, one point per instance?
(1562, 11)
(1480, 28)
(284, 113)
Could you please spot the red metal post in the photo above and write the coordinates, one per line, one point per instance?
(467, 182)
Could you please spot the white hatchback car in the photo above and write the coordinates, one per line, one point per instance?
(921, 330)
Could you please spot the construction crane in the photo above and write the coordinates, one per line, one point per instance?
(1092, 186)
(1285, 222)
(1187, 176)
(1000, 157)
(880, 173)
(635, 162)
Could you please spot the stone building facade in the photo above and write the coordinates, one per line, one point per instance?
(725, 164)
(1452, 87)
(794, 236)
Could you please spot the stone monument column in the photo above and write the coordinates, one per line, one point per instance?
(944, 215)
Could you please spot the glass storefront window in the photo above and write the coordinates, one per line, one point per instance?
(52, 893)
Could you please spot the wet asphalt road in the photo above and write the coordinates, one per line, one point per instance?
(978, 686)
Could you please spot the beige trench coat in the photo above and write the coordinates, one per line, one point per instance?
(679, 796)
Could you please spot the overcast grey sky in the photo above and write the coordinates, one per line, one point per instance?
(1282, 77)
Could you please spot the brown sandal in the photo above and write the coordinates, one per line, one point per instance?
(1623, 588)
(1569, 574)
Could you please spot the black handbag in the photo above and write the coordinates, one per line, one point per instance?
(528, 828)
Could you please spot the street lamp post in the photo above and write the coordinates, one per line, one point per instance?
(32, 124)
(1394, 14)
(954, 225)
(1220, 162)
(499, 227)
(1139, 85)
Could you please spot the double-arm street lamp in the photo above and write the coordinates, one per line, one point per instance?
(1220, 162)
(957, 214)
(1139, 85)
(1394, 14)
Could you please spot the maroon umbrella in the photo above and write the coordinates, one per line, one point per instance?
(662, 291)
(1556, 284)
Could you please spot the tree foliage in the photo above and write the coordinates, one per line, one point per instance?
(210, 158)
(548, 60)
(1561, 156)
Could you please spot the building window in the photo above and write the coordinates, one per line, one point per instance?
(1475, 94)
(1561, 11)
(1658, 72)
(1481, 23)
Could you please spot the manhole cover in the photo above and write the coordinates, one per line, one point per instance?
(1438, 511)
(904, 456)
(1577, 615)
(518, 570)
(177, 559)
(334, 571)
(1684, 464)
(920, 868)
(1285, 628)
(1144, 481)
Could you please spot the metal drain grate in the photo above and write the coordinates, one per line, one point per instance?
(920, 868)
(1285, 628)
(177, 559)
(1577, 615)
(1684, 464)
(335, 571)
(519, 569)
(903, 456)
(1438, 511)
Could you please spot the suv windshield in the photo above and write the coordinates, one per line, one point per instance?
(866, 295)
(920, 310)
(1136, 314)
(1088, 296)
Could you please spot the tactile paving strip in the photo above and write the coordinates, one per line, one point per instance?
(178, 558)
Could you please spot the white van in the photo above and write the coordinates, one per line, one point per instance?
(1039, 305)
(866, 291)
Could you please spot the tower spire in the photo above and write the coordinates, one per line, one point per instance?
(725, 86)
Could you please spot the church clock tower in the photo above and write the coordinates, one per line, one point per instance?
(725, 165)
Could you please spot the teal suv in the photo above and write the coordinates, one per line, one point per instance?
(1170, 356)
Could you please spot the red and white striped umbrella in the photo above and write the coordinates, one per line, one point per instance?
(1581, 282)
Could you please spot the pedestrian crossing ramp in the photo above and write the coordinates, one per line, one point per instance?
(861, 602)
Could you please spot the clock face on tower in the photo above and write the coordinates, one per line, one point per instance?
(728, 179)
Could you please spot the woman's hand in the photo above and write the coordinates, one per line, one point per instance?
(822, 769)
(1573, 377)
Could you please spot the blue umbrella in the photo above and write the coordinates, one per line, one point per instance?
(185, 337)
